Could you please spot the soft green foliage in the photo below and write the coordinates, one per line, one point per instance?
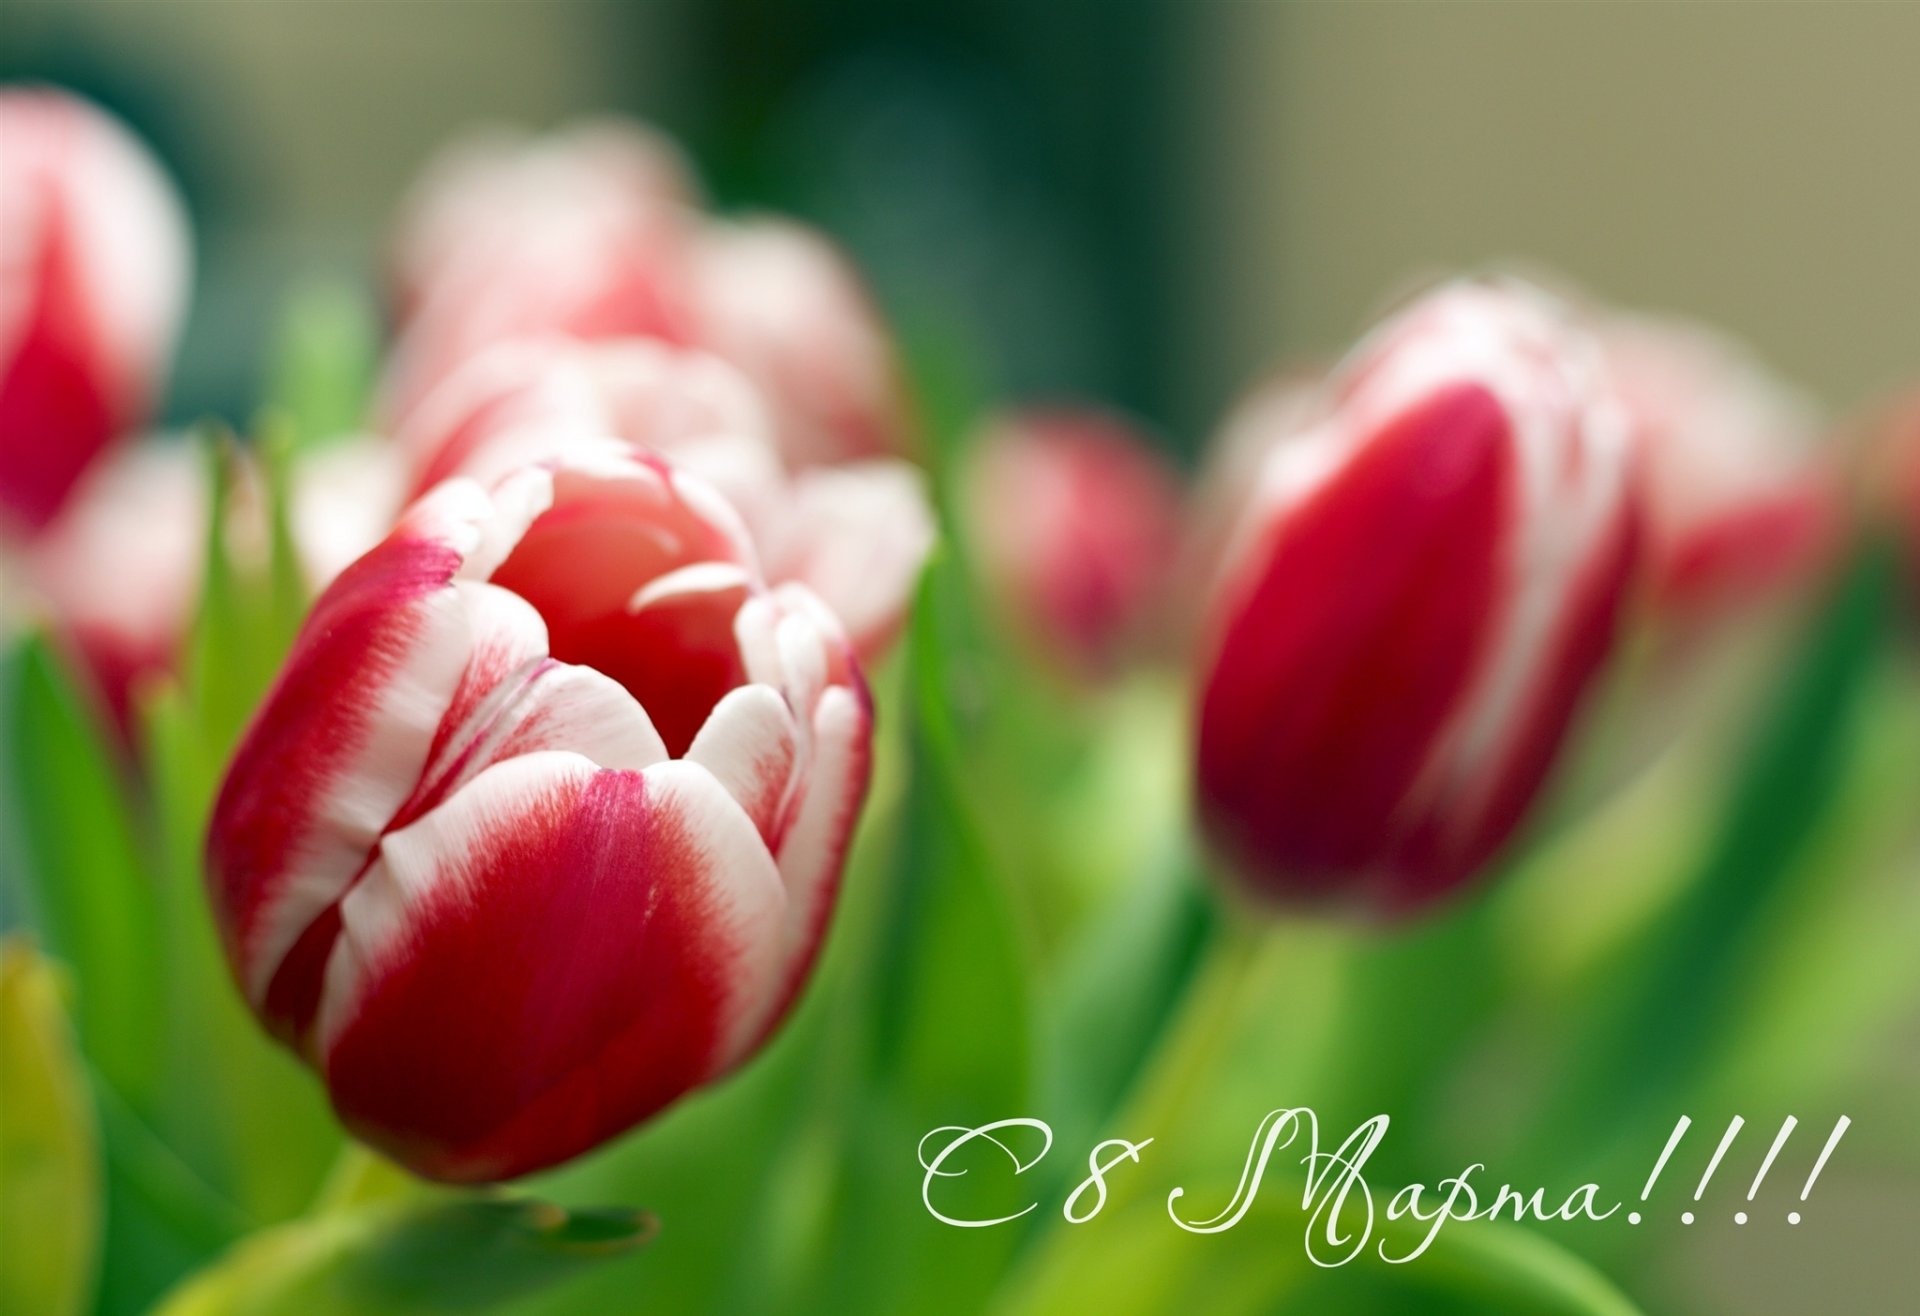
(49, 1152)
(437, 1256)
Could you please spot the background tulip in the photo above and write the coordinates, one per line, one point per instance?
(541, 825)
(854, 533)
(594, 233)
(1421, 595)
(94, 266)
(1076, 521)
(1741, 503)
(588, 233)
(783, 304)
(118, 572)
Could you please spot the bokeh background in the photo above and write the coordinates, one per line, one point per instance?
(1145, 201)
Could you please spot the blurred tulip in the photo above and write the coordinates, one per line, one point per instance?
(118, 572)
(1896, 475)
(542, 823)
(1075, 520)
(784, 305)
(94, 265)
(1741, 506)
(595, 233)
(1420, 598)
(588, 233)
(856, 534)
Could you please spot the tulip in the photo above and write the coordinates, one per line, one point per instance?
(588, 234)
(595, 233)
(1075, 520)
(856, 534)
(94, 265)
(118, 572)
(541, 825)
(1423, 591)
(780, 302)
(1741, 506)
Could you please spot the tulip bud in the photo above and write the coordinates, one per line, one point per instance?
(1740, 505)
(1421, 594)
(855, 534)
(94, 265)
(1076, 523)
(541, 824)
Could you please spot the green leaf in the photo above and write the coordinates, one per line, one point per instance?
(231, 651)
(86, 888)
(467, 1254)
(1658, 1033)
(49, 1151)
(1117, 991)
(236, 1104)
(954, 1037)
(324, 357)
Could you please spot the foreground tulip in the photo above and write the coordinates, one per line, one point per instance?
(542, 823)
(1076, 523)
(93, 278)
(595, 233)
(1420, 597)
(1741, 507)
(855, 533)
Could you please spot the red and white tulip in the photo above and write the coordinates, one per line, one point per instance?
(855, 533)
(595, 233)
(1076, 522)
(94, 267)
(1422, 593)
(118, 573)
(1741, 505)
(589, 233)
(542, 823)
(782, 303)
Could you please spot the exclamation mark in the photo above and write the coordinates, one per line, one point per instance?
(1726, 1141)
(1779, 1141)
(1673, 1140)
(1833, 1140)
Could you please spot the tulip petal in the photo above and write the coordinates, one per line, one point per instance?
(857, 536)
(552, 955)
(1330, 683)
(336, 749)
(813, 852)
(750, 744)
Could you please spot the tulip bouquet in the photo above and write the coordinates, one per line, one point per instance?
(608, 802)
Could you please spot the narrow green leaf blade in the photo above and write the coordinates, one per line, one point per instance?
(86, 888)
